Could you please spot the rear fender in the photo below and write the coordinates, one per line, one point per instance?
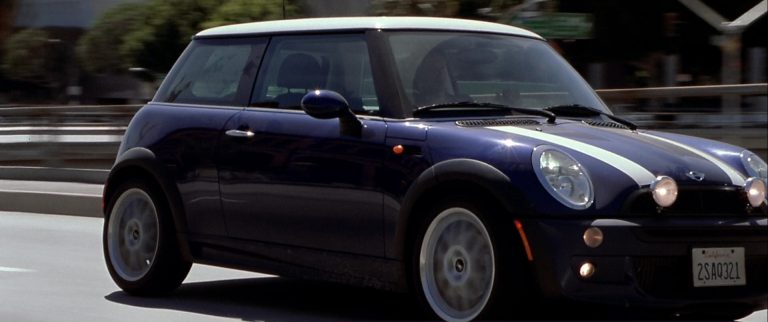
(143, 162)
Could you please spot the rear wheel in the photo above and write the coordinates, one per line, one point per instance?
(457, 264)
(139, 241)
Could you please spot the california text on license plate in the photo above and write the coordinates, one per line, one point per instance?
(718, 267)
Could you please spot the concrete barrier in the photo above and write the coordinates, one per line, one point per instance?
(64, 198)
(94, 176)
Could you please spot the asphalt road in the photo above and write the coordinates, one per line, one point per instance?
(51, 269)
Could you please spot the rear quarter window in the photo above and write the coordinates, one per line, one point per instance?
(214, 72)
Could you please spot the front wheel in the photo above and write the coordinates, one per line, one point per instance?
(457, 264)
(139, 241)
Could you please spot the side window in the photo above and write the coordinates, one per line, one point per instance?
(295, 65)
(214, 72)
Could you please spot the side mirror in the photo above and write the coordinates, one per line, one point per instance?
(324, 104)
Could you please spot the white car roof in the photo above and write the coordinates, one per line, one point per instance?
(363, 23)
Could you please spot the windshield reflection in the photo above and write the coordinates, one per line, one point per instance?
(446, 67)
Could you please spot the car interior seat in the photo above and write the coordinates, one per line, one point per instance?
(299, 73)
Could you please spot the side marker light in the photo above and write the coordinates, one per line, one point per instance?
(524, 238)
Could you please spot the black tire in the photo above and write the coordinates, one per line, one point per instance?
(493, 263)
(139, 241)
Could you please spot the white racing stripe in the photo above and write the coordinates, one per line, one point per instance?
(635, 171)
(736, 177)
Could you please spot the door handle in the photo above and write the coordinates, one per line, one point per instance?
(240, 133)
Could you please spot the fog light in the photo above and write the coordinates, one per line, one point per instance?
(664, 190)
(586, 270)
(593, 237)
(755, 190)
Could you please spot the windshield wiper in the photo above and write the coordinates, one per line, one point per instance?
(485, 106)
(577, 110)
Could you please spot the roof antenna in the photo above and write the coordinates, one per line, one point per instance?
(283, 9)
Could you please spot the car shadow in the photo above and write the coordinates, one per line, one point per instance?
(285, 299)
(279, 299)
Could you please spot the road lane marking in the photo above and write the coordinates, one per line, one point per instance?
(15, 270)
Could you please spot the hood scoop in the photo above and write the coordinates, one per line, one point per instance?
(499, 122)
(606, 124)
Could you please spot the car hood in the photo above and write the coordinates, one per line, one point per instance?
(640, 155)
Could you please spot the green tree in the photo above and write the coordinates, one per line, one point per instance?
(99, 49)
(7, 15)
(473, 9)
(434, 8)
(31, 56)
(156, 44)
(153, 34)
(241, 11)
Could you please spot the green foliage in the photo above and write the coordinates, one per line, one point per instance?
(240, 11)
(474, 9)
(170, 24)
(153, 34)
(435, 8)
(7, 13)
(30, 56)
(99, 50)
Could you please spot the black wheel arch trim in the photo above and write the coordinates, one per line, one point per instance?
(144, 160)
(479, 173)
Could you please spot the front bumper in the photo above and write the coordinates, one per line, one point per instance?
(647, 262)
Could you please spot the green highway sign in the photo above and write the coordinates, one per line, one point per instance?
(557, 25)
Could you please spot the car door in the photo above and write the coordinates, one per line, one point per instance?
(210, 84)
(291, 179)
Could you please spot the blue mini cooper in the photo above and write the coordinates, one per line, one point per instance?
(463, 161)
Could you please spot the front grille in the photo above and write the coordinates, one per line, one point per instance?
(736, 233)
(693, 201)
(497, 122)
(672, 278)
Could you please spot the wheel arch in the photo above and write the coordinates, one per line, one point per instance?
(142, 163)
(457, 176)
(499, 201)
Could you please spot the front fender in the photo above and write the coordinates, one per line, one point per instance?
(471, 172)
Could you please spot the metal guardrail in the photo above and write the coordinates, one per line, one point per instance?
(674, 109)
(78, 137)
(87, 137)
(683, 91)
(68, 115)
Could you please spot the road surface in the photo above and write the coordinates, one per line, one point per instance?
(52, 269)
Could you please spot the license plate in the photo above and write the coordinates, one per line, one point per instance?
(718, 267)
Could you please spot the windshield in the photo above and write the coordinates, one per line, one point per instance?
(442, 67)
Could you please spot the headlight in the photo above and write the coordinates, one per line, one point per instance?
(755, 190)
(563, 177)
(664, 190)
(755, 166)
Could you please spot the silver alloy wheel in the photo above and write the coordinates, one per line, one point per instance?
(457, 265)
(133, 234)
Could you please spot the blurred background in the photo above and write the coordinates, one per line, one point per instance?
(690, 66)
(83, 51)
